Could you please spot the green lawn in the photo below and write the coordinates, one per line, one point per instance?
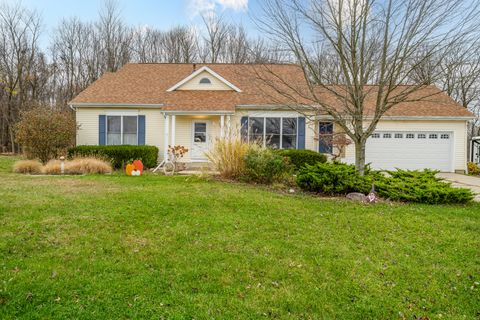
(117, 247)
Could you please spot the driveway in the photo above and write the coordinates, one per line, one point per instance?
(463, 181)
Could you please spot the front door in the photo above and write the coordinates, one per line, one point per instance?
(199, 139)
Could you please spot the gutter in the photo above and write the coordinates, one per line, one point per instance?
(116, 105)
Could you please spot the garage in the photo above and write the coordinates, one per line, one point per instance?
(413, 150)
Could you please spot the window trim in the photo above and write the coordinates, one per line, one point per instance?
(264, 136)
(121, 115)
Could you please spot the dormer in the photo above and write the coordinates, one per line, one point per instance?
(204, 79)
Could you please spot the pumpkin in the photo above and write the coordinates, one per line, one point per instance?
(129, 168)
(138, 165)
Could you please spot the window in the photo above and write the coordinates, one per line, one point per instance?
(205, 81)
(432, 136)
(410, 136)
(387, 135)
(274, 132)
(398, 135)
(445, 136)
(200, 132)
(376, 135)
(325, 141)
(289, 133)
(122, 130)
(421, 136)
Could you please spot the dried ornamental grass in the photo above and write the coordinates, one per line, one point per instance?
(228, 157)
(52, 167)
(87, 166)
(28, 167)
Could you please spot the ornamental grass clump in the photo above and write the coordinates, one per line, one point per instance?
(28, 167)
(228, 157)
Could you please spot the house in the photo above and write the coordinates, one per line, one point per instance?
(194, 104)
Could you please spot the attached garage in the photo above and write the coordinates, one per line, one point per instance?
(413, 150)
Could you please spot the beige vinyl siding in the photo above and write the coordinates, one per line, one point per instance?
(457, 127)
(194, 83)
(87, 119)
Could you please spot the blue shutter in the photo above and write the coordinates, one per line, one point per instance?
(301, 133)
(244, 128)
(141, 130)
(102, 130)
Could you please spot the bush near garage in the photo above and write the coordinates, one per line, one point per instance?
(473, 169)
(399, 185)
(118, 156)
(301, 157)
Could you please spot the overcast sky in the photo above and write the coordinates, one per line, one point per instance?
(162, 14)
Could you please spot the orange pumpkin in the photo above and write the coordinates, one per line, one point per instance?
(138, 165)
(129, 168)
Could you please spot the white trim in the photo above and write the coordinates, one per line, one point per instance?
(192, 137)
(173, 130)
(202, 69)
(274, 114)
(222, 126)
(120, 113)
(404, 118)
(96, 105)
(165, 137)
(194, 113)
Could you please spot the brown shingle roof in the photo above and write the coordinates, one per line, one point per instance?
(148, 84)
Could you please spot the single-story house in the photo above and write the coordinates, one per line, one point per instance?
(194, 104)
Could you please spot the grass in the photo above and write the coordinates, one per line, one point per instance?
(117, 247)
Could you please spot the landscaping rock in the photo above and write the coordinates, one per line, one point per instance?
(356, 196)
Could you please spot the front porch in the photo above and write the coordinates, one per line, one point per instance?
(196, 131)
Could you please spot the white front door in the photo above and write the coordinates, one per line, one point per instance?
(199, 139)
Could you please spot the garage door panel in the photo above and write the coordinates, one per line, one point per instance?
(410, 153)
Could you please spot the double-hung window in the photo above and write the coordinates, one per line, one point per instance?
(274, 132)
(122, 130)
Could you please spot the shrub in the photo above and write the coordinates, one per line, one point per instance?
(28, 166)
(333, 178)
(399, 185)
(473, 169)
(45, 133)
(228, 157)
(301, 157)
(265, 166)
(421, 187)
(118, 156)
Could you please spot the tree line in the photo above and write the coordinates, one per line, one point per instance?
(348, 42)
(79, 52)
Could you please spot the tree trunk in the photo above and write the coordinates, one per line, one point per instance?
(360, 157)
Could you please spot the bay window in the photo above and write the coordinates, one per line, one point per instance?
(122, 130)
(274, 132)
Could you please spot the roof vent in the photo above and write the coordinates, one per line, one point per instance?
(194, 67)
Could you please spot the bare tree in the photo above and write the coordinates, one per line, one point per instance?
(19, 32)
(114, 37)
(373, 43)
(217, 31)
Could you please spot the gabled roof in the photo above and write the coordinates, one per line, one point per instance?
(155, 84)
(196, 73)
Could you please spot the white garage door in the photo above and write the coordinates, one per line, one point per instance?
(410, 150)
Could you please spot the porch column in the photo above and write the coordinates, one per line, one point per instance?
(165, 137)
(222, 126)
(173, 130)
(229, 133)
